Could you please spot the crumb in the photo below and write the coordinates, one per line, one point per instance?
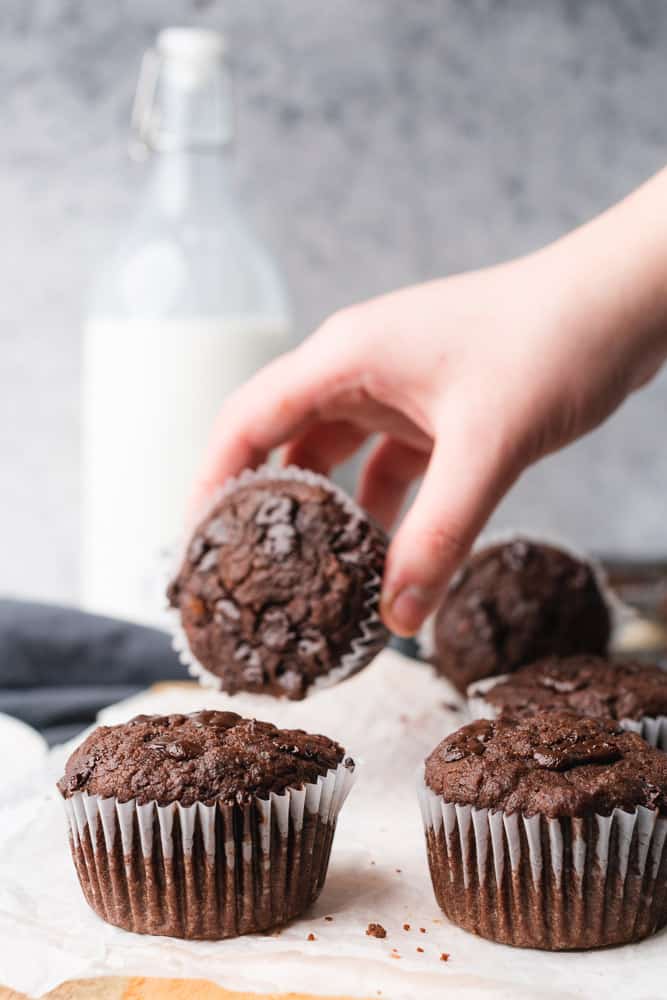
(451, 706)
(311, 937)
(444, 957)
(394, 954)
(420, 950)
(398, 871)
(406, 927)
(422, 930)
(376, 930)
(372, 862)
(328, 918)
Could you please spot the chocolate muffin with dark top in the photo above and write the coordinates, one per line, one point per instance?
(280, 587)
(549, 831)
(588, 685)
(204, 825)
(552, 763)
(514, 603)
(206, 757)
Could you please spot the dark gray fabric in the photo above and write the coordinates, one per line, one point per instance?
(60, 666)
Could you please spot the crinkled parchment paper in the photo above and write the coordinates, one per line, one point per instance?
(389, 717)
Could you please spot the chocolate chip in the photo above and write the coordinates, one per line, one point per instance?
(275, 510)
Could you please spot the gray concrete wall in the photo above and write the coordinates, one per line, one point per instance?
(380, 142)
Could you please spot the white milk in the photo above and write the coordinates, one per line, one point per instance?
(151, 394)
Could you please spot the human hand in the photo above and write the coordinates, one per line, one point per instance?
(467, 380)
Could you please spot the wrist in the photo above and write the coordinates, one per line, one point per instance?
(612, 279)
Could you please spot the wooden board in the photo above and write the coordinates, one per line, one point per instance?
(140, 988)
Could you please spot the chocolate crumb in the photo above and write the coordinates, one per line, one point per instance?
(406, 927)
(311, 937)
(328, 918)
(451, 706)
(422, 930)
(420, 950)
(444, 957)
(376, 930)
(398, 871)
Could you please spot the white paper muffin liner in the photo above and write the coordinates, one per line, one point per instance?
(557, 884)
(652, 729)
(372, 632)
(619, 612)
(206, 871)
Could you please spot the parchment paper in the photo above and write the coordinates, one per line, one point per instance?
(389, 716)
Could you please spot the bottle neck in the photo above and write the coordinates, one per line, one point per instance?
(191, 182)
(183, 117)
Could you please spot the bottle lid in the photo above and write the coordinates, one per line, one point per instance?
(194, 44)
(182, 99)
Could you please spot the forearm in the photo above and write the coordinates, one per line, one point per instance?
(615, 270)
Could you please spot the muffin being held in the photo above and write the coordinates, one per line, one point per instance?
(204, 825)
(279, 589)
(633, 694)
(548, 832)
(514, 603)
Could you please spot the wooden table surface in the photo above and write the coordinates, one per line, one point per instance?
(140, 988)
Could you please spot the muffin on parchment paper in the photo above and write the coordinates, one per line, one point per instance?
(633, 694)
(204, 825)
(279, 588)
(512, 603)
(548, 832)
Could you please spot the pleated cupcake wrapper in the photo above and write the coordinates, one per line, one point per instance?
(618, 611)
(372, 632)
(652, 729)
(548, 883)
(206, 871)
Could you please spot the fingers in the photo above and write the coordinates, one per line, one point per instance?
(388, 473)
(465, 479)
(273, 406)
(325, 445)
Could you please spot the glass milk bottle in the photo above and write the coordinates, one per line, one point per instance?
(189, 306)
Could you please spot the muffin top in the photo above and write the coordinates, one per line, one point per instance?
(202, 757)
(276, 585)
(514, 603)
(588, 685)
(553, 763)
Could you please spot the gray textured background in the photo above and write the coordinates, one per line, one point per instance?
(380, 142)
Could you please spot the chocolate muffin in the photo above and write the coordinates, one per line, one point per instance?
(280, 586)
(549, 831)
(633, 694)
(204, 825)
(514, 603)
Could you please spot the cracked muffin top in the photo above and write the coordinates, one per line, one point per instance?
(279, 583)
(588, 685)
(205, 756)
(513, 603)
(552, 763)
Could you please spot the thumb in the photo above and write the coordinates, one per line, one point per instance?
(466, 478)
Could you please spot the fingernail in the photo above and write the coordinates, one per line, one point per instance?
(405, 612)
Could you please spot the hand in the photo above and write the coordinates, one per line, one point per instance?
(467, 380)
